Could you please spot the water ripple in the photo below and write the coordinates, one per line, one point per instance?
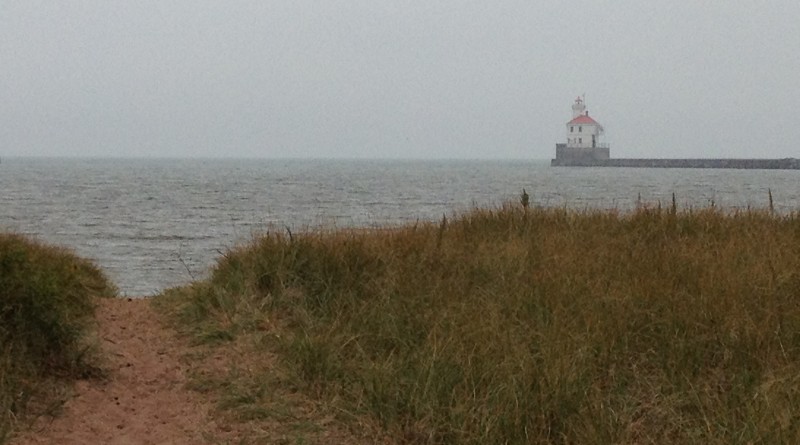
(146, 221)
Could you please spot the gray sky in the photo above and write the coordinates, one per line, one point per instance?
(397, 79)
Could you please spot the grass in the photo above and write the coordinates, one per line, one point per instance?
(523, 326)
(46, 309)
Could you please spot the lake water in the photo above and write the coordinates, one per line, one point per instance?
(153, 224)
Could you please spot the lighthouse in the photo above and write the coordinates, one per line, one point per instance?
(583, 138)
(582, 130)
(584, 149)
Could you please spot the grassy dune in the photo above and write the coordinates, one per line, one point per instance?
(46, 309)
(525, 326)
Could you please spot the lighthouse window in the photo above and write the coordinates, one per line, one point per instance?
(580, 140)
(571, 129)
(579, 129)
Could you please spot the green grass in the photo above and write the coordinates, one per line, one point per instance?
(46, 309)
(527, 326)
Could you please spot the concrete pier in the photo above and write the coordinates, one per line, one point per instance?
(766, 164)
(584, 148)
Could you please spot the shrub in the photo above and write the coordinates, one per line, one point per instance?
(519, 325)
(46, 309)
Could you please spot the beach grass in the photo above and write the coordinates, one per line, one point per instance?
(46, 312)
(519, 325)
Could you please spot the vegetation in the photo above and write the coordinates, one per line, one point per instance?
(46, 308)
(520, 325)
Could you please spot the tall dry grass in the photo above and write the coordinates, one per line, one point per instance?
(46, 307)
(531, 326)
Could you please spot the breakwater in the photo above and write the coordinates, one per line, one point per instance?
(766, 164)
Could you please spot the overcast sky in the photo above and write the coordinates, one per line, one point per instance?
(397, 79)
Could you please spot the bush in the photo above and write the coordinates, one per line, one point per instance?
(520, 325)
(46, 309)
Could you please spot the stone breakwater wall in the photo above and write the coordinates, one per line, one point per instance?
(767, 164)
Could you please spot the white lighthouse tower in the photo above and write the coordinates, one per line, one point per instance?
(582, 130)
(583, 139)
(578, 108)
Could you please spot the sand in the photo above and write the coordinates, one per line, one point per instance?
(143, 400)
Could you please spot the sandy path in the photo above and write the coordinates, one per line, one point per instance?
(143, 401)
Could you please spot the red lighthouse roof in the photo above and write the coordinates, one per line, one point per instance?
(583, 119)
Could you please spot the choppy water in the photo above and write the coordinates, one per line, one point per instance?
(147, 221)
